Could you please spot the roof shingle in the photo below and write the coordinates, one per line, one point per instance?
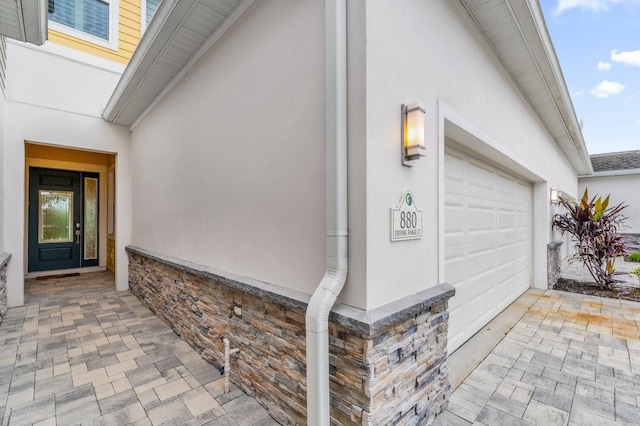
(616, 161)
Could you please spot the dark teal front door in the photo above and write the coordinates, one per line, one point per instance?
(63, 219)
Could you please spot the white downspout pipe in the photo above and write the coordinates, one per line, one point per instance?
(317, 315)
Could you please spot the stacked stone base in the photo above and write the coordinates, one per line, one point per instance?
(4, 261)
(554, 262)
(387, 366)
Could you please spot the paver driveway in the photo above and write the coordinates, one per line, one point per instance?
(571, 359)
(80, 352)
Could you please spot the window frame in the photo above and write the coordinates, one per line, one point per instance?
(143, 16)
(112, 43)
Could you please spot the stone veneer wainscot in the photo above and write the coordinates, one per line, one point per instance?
(554, 262)
(4, 260)
(387, 365)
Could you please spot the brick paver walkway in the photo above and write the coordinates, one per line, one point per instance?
(571, 359)
(79, 352)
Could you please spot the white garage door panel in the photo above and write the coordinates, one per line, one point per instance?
(487, 241)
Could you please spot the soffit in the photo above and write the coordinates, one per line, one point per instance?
(24, 20)
(516, 32)
(177, 37)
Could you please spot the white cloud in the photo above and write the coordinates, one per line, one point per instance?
(629, 58)
(606, 89)
(604, 66)
(578, 93)
(592, 5)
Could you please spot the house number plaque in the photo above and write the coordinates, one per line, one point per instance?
(406, 219)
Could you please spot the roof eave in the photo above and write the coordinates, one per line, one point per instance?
(581, 161)
(542, 85)
(170, 17)
(30, 20)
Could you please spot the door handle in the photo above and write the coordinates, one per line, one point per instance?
(78, 233)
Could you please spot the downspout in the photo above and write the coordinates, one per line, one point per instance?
(317, 315)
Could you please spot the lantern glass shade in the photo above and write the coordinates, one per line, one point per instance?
(413, 132)
(555, 196)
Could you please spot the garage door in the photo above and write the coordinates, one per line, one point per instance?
(487, 241)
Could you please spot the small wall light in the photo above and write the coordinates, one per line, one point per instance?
(555, 196)
(412, 133)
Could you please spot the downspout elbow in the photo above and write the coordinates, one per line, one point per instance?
(323, 299)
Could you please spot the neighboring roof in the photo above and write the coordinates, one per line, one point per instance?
(610, 161)
(516, 32)
(179, 34)
(24, 20)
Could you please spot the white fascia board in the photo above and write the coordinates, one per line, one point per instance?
(35, 15)
(609, 173)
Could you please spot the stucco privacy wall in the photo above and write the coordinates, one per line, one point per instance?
(227, 140)
(62, 109)
(433, 56)
(230, 165)
(622, 188)
(3, 64)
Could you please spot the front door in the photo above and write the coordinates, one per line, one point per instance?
(63, 219)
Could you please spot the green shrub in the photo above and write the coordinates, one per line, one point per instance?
(634, 257)
(636, 272)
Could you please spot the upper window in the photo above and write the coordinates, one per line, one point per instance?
(91, 20)
(149, 8)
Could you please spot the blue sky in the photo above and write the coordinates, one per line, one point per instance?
(598, 46)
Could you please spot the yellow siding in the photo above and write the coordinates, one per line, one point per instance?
(131, 6)
(128, 35)
(132, 31)
(129, 15)
(126, 39)
(130, 21)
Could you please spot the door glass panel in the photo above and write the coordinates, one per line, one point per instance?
(90, 218)
(56, 217)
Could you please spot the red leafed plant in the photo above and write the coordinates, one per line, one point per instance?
(594, 227)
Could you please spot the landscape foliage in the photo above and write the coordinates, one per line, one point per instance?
(594, 227)
(634, 257)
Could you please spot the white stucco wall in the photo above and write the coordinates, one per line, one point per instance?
(41, 78)
(229, 167)
(431, 55)
(51, 100)
(2, 137)
(622, 189)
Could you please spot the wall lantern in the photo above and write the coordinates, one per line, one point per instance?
(412, 133)
(555, 195)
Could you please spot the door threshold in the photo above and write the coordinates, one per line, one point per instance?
(53, 277)
(60, 272)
